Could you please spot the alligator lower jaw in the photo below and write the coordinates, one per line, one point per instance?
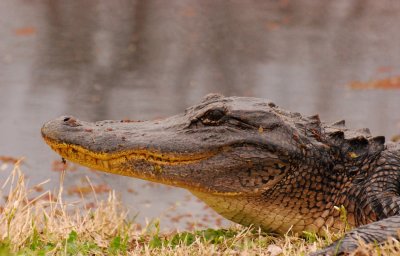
(111, 163)
(103, 160)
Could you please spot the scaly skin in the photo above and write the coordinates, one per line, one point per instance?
(254, 163)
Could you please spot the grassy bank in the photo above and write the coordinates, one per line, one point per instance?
(46, 225)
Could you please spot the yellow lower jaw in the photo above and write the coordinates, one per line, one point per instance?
(110, 161)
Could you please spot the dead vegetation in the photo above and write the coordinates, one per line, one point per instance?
(40, 226)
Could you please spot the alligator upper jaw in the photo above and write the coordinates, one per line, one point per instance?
(165, 140)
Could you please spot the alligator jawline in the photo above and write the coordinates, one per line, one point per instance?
(109, 162)
(83, 155)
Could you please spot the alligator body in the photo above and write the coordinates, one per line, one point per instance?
(254, 163)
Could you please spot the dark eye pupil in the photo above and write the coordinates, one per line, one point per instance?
(215, 114)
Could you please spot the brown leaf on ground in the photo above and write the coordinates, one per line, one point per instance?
(384, 69)
(284, 3)
(9, 159)
(38, 188)
(132, 191)
(386, 84)
(179, 217)
(90, 205)
(25, 31)
(150, 184)
(206, 207)
(59, 166)
(189, 12)
(84, 190)
(272, 25)
(218, 221)
(205, 218)
(191, 225)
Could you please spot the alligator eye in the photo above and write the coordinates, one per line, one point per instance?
(213, 116)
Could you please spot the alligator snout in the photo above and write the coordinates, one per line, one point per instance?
(53, 129)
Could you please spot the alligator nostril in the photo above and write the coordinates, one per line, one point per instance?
(70, 121)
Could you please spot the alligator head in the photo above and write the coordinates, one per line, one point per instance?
(243, 156)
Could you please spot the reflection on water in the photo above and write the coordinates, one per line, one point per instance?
(149, 59)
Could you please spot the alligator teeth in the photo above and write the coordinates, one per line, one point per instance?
(89, 159)
(106, 165)
(113, 163)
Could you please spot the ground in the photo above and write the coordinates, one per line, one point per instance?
(43, 225)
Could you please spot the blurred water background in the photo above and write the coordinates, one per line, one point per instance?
(150, 59)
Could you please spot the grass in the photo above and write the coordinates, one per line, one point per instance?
(48, 226)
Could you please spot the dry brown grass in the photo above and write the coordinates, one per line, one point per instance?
(50, 226)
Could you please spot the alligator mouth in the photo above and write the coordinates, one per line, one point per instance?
(111, 161)
(151, 165)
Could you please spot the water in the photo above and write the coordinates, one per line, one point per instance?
(150, 59)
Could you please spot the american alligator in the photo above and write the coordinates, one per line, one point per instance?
(254, 163)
